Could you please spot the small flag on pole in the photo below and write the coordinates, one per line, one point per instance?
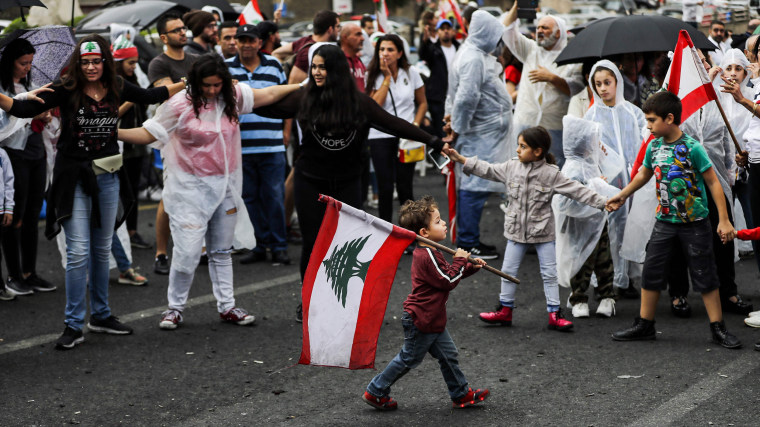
(449, 8)
(251, 14)
(381, 12)
(686, 78)
(451, 194)
(346, 286)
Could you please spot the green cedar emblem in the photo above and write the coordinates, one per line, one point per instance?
(343, 265)
(90, 47)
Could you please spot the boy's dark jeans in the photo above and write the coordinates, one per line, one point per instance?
(696, 243)
(723, 259)
(416, 345)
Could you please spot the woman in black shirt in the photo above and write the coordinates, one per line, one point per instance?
(335, 119)
(83, 197)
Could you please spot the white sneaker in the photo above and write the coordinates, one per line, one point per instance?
(754, 314)
(753, 321)
(606, 308)
(580, 310)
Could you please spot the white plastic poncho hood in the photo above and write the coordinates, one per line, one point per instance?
(541, 103)
(203, 157)
(738, 116)
(579, 226)
(478, 101)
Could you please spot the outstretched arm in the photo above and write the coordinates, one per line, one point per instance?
(138, 136)
(272, 94)
(642, 177)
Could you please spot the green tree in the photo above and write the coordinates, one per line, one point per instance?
(343, 264)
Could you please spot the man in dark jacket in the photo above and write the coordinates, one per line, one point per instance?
(438, 50)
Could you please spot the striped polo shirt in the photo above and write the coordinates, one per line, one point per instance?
(259, 134)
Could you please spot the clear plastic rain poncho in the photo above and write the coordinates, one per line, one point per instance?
(738, 116)
(478, 101)
(203, 161)
(621, 127)
(579, 226)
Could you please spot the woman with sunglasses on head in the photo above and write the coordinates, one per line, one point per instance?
(335, 120)
(84, 195)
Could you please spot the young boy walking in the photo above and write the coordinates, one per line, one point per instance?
(681, 167)
(424, 318)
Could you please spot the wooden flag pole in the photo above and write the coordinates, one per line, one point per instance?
(728, 125)
(452, 252)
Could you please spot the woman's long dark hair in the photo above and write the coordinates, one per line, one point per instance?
(373, 71)
(334, 107)
(211, 64)
(75, 80)
(119, 65)
(13, 51)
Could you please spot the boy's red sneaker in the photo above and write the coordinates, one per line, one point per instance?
(472, 397)
(557, 321)
(502, 316)
(382, 403)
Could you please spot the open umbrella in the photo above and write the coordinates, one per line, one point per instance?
(628, 34)
(7, 4)
(53, 47)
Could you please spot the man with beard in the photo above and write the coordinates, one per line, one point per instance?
(270, 36)
(718, 38)
(326, 28)
(205, 31)
(263, 152)
(545, 93)
(438, 50)
(169, 67)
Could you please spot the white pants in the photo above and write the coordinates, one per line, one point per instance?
(220, 232)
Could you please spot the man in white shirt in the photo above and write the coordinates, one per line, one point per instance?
(545, 88)
(692, 12)
(718, 37)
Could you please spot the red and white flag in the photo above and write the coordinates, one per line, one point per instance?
(381, 12)
(251, 14)
(451, 195)
(686, 78)
(346, 286)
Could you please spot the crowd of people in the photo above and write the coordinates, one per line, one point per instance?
(250, 130)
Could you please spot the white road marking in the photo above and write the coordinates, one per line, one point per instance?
(155, 311)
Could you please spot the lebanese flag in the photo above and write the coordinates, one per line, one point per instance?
(451, 194)
(251, 14)
(446, 8)
(381, 12)
(346, 286)
(686, 78)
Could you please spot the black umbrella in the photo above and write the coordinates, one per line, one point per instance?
(223, 5)
(53, 47)
(628, 34)
(7, 4)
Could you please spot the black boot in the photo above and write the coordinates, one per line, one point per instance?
(721, 336)
(642, 329)
(738, 307)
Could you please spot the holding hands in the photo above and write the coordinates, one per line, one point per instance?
(453, 154)
(614, 203)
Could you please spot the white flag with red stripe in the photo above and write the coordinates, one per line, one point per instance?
(251, 14)
(449, 8)
(688, 79)
(346, 286)
(381, 12)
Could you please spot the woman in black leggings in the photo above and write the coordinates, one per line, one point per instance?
(27, 154)
(335, 119)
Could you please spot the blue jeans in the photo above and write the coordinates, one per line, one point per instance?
(416, 345)
(469, 210)
(264, 197)
(87, 251)
(119, 254)
(547, 261)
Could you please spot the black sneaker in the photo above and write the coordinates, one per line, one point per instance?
(721, 336)
(254, 256)
(203, 260)
(482, 252)
(161, 266)
(109, 325)
(69, 339)
(137, 242)
(487, 246)
(39, 284)
(628, 293)
(642, 329)
(280, 257)
(18, 286)
(299, 313)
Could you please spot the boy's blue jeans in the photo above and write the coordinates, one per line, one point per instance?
(88, 250)
(416, 345)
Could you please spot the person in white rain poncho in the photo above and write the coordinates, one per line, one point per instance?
(481, 113)
(545, 88)
(583, 241)
(621, 124)
(199, 133)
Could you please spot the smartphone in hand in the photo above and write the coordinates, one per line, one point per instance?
(439, 160)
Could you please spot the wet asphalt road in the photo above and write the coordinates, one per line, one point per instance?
(209, 373)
